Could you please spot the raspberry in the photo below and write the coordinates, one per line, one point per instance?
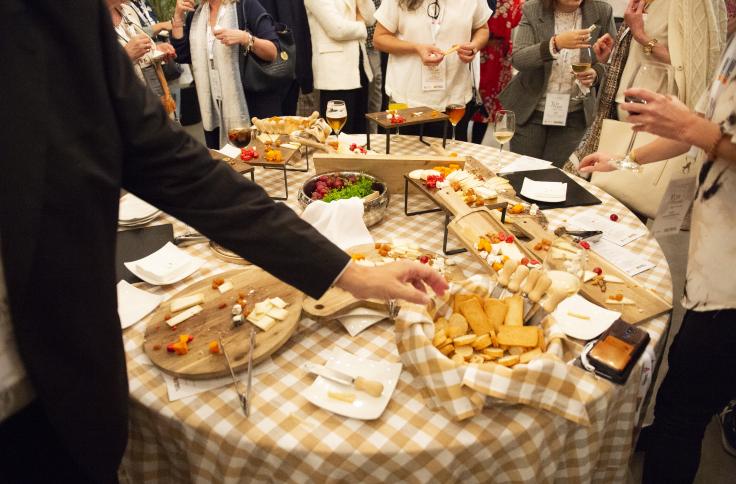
(598, 270)
(614, 217)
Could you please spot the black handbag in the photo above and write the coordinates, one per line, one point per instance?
(261, 76)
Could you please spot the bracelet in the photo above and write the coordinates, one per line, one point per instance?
(712, 151)
(249, 45)
(632, 156)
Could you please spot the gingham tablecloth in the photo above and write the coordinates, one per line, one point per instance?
(206, 438)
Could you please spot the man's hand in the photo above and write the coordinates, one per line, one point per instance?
(138, 46)
(398, 280)
(466, 52)
(603, 48)
(430, 55)
(664, 116)
(598, 161)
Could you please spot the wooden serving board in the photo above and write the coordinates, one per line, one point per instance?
(388, 168)
(336, 301)
(428, 115)
(213, 322)
(235, 163)
(648, 303)
(287, 154)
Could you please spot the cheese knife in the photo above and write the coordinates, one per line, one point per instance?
(371, 387)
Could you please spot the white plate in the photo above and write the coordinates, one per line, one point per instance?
(599, 318)
(172, 263)
(365, 407)
(359, 319)
(133, 209)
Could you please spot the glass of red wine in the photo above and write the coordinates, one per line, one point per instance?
(656, 77)
(239, 131)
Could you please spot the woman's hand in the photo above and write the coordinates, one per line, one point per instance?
(167, 49)
(138, 46)
(573, 39)
(587, 77)
(430, 55)
(634, 18)
(598, 161)
(182, 7)
(603, 48)
(232, 36)
(466, 52)
(398, 280)
(664, 116)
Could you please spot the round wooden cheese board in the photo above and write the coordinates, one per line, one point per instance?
(215, 320)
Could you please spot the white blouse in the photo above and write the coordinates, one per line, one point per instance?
(561, 80)
(457, 21)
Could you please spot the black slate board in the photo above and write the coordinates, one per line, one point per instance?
(135, 244)
(577, 196)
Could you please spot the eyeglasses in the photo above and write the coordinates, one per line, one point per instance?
(433, 10)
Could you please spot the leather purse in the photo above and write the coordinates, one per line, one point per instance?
(642, 192)
(261, 76)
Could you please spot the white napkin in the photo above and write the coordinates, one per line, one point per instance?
(134, 304)
(230, 150)
(359, 319)
(167, 265)
(340, 221)
(544, 191)
(525, 163)
(599, 319)
(132, 208)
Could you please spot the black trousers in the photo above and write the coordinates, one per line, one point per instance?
(32, 452)
(700, 381)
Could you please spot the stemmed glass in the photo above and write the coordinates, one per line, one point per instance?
(239, 131)
(655, 77)
(504, 127)
(585, 61)
(455, 112)
(337, 116)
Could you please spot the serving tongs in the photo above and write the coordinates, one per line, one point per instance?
(190, 238)
(244, 397)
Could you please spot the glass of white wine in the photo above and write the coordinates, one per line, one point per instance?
(337, 115)
(584, 62)
(504, 127)
(656, 77)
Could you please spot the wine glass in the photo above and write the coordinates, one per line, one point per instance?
(337, 115)
(239, 131)
(504, 126)
(656, 77)
(584, 62)
(455, 112)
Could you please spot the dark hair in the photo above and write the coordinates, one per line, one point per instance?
(410, 4)
(551, 5)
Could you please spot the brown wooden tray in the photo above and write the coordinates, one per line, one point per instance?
(214, 321)
(286, 153)
(235, 163)
(427, 116)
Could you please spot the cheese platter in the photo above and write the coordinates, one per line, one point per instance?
(181, 336)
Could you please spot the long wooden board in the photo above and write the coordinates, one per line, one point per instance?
(389, 168)
(417, 115)
(213, 321)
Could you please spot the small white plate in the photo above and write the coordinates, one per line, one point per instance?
(599, 319)
(172, 263)
(365, 407)
(132, 209)
(359, 319)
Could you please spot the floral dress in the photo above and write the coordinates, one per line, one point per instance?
(495, 58)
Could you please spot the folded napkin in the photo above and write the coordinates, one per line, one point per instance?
(544, 191)
(133, 208)
(230, 150)
(525, 163)
(340, 221)
(134, 304)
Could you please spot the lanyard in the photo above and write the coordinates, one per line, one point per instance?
(143, 11)
(563, 59)
(211, 34)
(435, 14)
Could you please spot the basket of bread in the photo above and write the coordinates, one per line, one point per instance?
(468, 350)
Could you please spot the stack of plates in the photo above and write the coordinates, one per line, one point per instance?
(134, 212)
(168, 265)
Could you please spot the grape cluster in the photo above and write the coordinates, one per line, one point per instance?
(325, 183)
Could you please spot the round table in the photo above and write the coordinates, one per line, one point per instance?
(206, 438)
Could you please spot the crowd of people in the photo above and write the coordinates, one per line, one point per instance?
(567, 69)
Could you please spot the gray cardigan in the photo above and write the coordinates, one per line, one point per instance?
(533, 60)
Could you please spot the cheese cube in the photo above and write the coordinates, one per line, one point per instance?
(225, 287)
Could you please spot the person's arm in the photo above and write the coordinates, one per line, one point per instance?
(386, 41)
(366, 11)
(600, 66)
(181, 24)
(478, 40)
(634, 18)
(334, 24)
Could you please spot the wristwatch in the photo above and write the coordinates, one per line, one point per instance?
(649, 46)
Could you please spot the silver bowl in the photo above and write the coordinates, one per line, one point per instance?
(374, 210)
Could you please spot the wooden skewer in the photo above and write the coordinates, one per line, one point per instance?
(452, 50)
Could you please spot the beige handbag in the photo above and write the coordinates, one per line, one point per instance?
(641, 192)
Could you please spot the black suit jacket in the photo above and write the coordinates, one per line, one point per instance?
(293, 13)
(76, 126)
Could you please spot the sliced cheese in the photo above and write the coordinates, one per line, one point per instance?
(225, 287)
(278, 313)
(278, 302)
(262, 321)
(624, 301)
(613, 279)
(346, 397)
(181, 303)
(262, 307)
(184, 315)
(588, 276)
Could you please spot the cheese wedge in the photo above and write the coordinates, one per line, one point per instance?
(184, 315)
(181, 303)
(613, 279)
(262, 321)
(588, 276)
(225, 287)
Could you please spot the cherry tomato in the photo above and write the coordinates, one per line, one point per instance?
(598, 270)
(614, 217)
(584, 244)
(525, 261)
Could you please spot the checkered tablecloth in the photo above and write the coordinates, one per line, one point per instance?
(206, 438)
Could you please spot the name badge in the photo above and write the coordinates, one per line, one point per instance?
(555, 109)
(434, 78)
(675, 204)
(153, 81)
